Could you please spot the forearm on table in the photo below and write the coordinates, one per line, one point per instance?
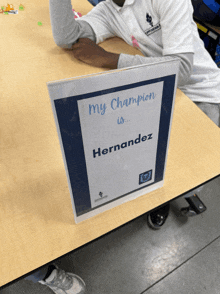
(66, 30)
(186, 63)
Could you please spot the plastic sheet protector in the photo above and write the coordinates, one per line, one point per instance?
(114, 130)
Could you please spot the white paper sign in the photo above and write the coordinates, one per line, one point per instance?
(114, 133)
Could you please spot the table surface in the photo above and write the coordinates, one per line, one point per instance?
(36, 219)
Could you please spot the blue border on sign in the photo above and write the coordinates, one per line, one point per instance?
(70, 130)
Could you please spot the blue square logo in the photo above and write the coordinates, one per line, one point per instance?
(145, 177)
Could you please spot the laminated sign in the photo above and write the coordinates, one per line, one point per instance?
(114, 132)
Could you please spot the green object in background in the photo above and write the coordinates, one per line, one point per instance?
(39, 23)
(21, 7)
(5, 12)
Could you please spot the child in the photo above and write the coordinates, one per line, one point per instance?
(160, 29)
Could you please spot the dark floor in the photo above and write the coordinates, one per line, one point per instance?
(183, 257)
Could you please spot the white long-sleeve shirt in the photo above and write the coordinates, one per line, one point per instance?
(162, 28)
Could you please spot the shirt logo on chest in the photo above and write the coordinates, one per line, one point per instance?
(149, 19)
(154, 28)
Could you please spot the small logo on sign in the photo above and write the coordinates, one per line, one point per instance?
(145, 177)
(101, 197)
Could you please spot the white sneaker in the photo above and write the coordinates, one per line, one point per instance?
(64, 283)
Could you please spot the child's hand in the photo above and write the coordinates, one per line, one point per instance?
(89, 52)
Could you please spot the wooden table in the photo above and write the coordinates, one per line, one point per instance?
(36, 219)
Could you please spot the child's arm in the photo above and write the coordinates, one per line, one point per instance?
(177, 38)
(66, 31)
(78, 36)
(186, 63)
(89, 52)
